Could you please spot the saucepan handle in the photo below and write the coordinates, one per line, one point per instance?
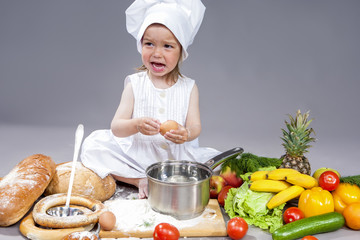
(219, 159)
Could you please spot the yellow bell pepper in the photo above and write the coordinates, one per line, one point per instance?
(316, 201)
(345, 194)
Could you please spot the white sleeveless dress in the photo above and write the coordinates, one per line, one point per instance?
(129, 157)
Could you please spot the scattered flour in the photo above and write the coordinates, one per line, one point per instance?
(132, 196)
(125, 192)
(84, 235)
(137, 215)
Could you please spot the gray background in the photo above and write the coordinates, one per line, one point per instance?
(63, 63)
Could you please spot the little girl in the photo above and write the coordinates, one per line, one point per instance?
(163, 31)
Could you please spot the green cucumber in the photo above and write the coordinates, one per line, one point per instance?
(309, 226)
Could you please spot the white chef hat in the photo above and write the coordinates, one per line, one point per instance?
(182, 17)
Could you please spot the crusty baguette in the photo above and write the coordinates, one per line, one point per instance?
(23, 185)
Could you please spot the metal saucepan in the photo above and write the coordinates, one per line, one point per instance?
(182, 188)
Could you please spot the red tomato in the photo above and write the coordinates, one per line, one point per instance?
(223, 194)
(166, 231)
(309, 238)
(329, 180)
(292, 214)
(237, 228)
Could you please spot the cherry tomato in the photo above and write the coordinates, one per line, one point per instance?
(309, 238)
(292, 214)
(329, 180)
(166, 231)
(237, 228)
(223, 194)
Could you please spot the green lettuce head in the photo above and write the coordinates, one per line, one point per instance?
(251, 206)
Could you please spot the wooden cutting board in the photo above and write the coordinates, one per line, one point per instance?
(210, 223)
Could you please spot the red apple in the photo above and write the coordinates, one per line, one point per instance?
(231, 178)
(216, 184)
(223, 194)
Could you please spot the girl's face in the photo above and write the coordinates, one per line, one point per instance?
(160, 51)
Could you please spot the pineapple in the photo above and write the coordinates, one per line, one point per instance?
(296, 142)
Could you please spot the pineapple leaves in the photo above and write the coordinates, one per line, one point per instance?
(297, 139)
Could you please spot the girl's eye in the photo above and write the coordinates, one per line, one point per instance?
(148, 44)
(167, 46)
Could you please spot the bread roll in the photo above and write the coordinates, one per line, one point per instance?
(54, 221)
(86, 182)
(24, 184)
(30, 230)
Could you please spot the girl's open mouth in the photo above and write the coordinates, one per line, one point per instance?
(158, 67)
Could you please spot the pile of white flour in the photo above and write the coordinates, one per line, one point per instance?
(137, 215)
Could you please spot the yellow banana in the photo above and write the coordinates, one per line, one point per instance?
(284, 196)
(258, 175)
(269, 185)
(280, 173)
(302, 180)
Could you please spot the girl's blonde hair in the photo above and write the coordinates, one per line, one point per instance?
(173, 75)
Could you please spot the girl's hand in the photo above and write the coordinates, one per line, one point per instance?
(148, 126)
(178, 136)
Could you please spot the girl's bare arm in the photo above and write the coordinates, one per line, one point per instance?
(123, 125)
(193, 122)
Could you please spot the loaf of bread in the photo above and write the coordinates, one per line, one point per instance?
(86, 182)
(23, 185)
